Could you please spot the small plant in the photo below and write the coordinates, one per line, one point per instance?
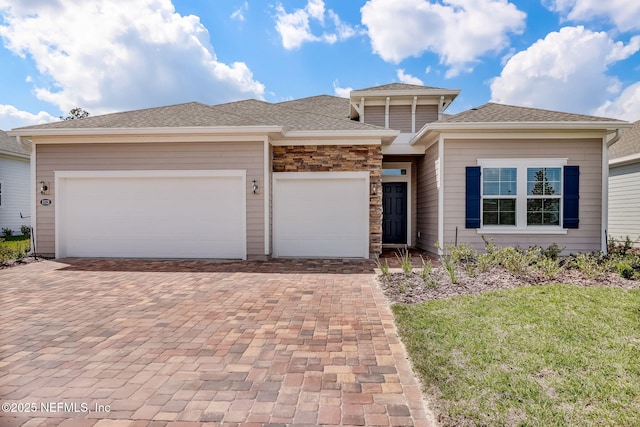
(450, 267)
(552, 251)
(588, 264)
(486, 262)
(25, 230)
(515, 260)
(463, 253)
(7, 232)
(405, 261)
(402, 288)
(549, 267)
(384, 267)
(625, 270)
(425, 271)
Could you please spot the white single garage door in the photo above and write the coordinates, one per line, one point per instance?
(151, 214)
(321, 214)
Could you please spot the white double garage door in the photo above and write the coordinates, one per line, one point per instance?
(203, 214)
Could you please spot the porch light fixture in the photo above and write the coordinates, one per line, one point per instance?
(374, 189)
(255, 186)
(44, 188)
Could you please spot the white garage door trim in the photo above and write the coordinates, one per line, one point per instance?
(63, 177)
(335, 180)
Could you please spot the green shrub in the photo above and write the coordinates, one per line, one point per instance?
(425, 270)
(516, 260)
(7, 232)
(552, 251)
(463, 253)
(590, 265)
(625, 270)
(25, 230)
(405, 261)
(549, 267)
(384, 267)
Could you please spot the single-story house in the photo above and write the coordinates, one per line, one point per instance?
(318, 177)
(624, 187)
(15, 191)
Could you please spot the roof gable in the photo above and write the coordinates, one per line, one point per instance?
(629, 143)
(9, 144)
(501, 113)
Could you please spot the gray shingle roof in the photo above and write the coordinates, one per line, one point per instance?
(308, 114)
(496, 113)
(397, 86)
(629, 143)
(324, 104)
(9, 144)
(181, 115)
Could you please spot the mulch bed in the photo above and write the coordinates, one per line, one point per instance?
(413, 289)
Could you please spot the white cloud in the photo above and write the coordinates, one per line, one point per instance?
(625, 107)
(459, 31)
(342, 92)
(104, 57)
(11, 117)
(625, 14)
(566, 71)
(239, 13)
(408, 78)
(295, 27)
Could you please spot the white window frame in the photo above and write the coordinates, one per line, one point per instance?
(521, 165)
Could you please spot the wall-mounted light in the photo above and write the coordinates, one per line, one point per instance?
(44, 188)
(374, 189)
(255, 186)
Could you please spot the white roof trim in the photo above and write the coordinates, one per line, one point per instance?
(342, 133)
(146, 131)
(524, 126)
(621, 161)
(402, 92)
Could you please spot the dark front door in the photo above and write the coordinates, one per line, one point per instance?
(394, 214)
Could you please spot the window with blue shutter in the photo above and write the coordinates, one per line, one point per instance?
(571, 197)
(473, 197)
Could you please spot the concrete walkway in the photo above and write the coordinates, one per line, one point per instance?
(132, 343)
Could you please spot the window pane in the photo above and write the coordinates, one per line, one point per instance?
(499, 212)
(490, 218)
(491, 174)
(543, 181)
(543, 212)
(508, 188)
(492, 188)
(508, 174)
(499, 181)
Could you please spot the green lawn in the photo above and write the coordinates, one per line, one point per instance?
(558, 355)
(14, 247)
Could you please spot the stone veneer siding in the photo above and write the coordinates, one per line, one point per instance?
(339, 158)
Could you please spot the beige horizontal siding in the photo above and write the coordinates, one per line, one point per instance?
(586, 153)
(427, 201)
(624, 203)
(149, 156)
(425, 114)
(374, 115)
(400, 118)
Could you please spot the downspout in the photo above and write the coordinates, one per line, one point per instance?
(605, 189)
(615, 139)
(440, 107)
(31, 147)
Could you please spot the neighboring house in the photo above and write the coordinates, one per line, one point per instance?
(624, 186)
(319, 177)
(14, 184)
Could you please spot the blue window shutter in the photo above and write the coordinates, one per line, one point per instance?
(571, 197)
(472, 206)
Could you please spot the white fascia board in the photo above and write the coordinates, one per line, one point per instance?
(626, 160)
(357, 94)
(342, 137)
(482, 127)
(402, 149)
(365, 133)
(195, 130)
(15, 156)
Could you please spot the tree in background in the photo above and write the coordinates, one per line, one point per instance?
(76, 113)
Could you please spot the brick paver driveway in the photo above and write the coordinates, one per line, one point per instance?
(126, 343)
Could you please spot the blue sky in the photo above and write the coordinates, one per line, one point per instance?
(113, 55)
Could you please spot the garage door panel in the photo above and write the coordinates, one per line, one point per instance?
(321, 215)
(166, 217)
